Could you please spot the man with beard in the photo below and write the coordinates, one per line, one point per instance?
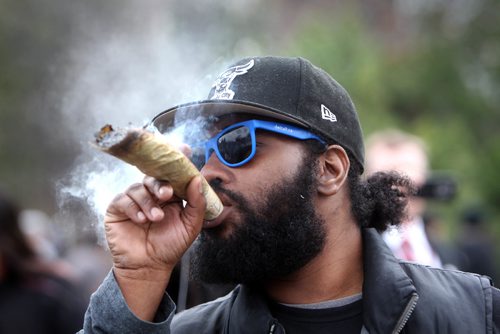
(299, 232)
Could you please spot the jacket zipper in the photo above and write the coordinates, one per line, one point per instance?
(405, 316)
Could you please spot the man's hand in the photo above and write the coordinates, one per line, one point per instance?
(148, 230)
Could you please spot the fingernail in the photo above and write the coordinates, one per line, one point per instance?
(163, 191)
(156, 213)
(141, 215)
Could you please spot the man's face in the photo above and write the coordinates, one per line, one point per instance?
(406, 158)
(270, 227)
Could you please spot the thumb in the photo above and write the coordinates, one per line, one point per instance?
(194, 211)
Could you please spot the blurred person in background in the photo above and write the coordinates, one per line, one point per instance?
(91, 261)
(435, 228)
(476, 244)
(396, 150)
(34, 298)
(41, 233)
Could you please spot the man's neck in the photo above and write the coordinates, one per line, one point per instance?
(336, 272)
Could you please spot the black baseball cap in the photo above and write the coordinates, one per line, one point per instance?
(283, 88)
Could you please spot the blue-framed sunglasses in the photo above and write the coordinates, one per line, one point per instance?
(236, 144)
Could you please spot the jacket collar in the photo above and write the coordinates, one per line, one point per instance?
(387, 291)
(250, 313)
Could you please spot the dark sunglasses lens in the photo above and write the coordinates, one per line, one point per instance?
(236, 145)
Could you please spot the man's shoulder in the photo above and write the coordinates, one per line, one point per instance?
(464, 295)
(423, 274)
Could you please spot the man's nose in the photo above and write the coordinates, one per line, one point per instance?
(215, 170)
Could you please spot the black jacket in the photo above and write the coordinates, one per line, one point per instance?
(398, 297)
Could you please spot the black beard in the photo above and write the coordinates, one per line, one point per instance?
(278, 235)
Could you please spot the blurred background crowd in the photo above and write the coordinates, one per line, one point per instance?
(425, 72)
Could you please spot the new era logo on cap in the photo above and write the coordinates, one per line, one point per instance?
(327, 114)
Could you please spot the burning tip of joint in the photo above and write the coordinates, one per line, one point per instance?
(105, 130)
(107, 136)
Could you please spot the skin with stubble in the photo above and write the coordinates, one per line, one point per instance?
(286, 222)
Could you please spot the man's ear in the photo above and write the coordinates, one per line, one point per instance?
(333, 169)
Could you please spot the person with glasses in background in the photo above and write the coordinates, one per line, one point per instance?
(299, 235)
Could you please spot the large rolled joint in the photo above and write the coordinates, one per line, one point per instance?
(154, 156)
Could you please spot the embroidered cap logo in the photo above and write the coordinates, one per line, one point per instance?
(327, 114)
(223, 83)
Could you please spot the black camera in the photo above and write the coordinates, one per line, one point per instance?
(438, 186)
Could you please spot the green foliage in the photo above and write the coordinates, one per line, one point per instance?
(344, 49)
(31, 39)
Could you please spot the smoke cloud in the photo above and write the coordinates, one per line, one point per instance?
(123, 71)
